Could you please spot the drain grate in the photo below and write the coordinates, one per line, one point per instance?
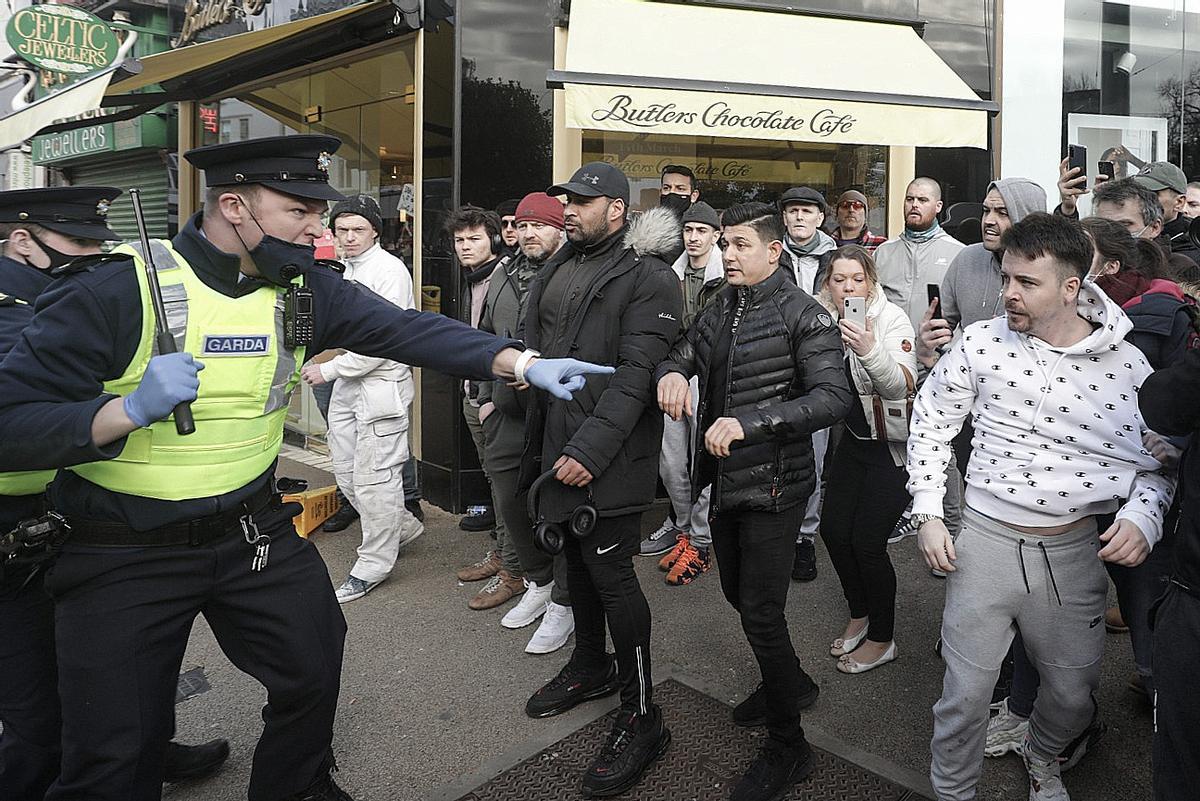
(708, 755)
(191, 683)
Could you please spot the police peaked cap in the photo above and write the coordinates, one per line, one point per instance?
(80, 211)
(296, 165)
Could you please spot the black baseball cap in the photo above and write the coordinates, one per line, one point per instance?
(802, 194)
(80, 211)
(594, 179)
(297, 165)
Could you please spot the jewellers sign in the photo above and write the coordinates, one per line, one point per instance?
(673, 111)
(62, 39)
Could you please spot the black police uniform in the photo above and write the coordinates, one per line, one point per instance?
(124, 613)
(29, 710)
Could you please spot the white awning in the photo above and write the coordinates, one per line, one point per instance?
(761, 75)
(81, 96)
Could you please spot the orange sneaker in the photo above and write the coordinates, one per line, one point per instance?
(672, 556)
(689, 566)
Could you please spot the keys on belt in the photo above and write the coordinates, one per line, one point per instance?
(260, 541)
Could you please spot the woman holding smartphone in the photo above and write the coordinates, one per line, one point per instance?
(865, 491)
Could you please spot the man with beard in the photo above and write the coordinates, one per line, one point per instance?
(921, 255)
(852, 222)
(1027, 553)
(539, 220)
(606, 296)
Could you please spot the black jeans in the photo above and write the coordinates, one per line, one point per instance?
(123, 616)
(29, 745)
(1176, 654)
(864, 497)
(605, 590)
(754, 552)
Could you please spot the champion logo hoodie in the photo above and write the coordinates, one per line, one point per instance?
(1058, 434)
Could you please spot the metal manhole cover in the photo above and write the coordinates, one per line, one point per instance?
(708, 755)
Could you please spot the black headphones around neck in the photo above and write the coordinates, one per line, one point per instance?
(549, 537)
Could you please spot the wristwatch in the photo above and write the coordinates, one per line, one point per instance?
(920, 520)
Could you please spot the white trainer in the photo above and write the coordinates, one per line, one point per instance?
(531, 606)
(410, 529)
(556, 629)
(1005, 732)
(1045, 778)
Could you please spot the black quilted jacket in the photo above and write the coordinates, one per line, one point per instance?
(786, 380)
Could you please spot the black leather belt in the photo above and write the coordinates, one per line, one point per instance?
(200, 531)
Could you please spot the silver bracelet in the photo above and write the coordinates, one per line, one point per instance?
(522, 363)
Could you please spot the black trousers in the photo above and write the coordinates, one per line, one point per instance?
(754, 553)
(123, 616)
(864, 496)
(29, 712)
(605, 590)
(1176, 654)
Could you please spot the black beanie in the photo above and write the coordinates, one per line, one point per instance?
(507, 208)
(362, 205)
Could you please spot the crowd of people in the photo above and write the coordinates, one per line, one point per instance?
(1019, 404)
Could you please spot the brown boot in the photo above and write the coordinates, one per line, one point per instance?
(1114, 622)
(486, 567)
(504, 586)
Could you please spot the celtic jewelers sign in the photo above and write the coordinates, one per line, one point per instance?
(62, 39)
(796, 119)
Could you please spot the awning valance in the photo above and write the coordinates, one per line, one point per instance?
(761, 75)
(78, 98)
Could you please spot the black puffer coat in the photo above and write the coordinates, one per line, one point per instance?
(627, 317)
(786, 380)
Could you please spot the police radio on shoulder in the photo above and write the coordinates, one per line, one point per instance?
(523, 362)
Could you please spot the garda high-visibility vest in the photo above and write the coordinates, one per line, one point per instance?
(27, 482)
(245, 388)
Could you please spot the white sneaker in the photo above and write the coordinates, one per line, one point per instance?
(531, 606)
(1045, 778)
(410, 529)
(555, 630)
(1005, 732)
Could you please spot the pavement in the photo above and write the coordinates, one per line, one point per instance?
(432, 693)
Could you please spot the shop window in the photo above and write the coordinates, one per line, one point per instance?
(733, 171)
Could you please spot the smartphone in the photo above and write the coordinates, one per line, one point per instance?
(934, 292)
(856, 310)
(1077, 157)
(1108, 169)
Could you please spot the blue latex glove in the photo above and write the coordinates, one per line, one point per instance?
(169, 380)
(563, 377)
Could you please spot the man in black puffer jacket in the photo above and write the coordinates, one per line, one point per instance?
(769, 361)
(606, 295)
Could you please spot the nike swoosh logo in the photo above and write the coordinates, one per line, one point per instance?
(602, 551)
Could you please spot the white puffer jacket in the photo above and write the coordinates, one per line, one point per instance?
(879, 372)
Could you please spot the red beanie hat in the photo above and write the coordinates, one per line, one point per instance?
(540, 207)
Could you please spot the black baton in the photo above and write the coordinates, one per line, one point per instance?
(184, 422)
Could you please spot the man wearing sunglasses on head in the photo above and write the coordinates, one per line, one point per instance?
(851, 226)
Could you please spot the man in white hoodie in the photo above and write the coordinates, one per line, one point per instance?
(1053, 391)
(368, 413)
(701, 274)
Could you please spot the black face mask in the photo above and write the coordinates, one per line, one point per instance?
(277, 261)
(676, 203)
(57, 257)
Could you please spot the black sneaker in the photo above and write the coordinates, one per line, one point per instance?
(1078, 748)
(753, 711)
(193, 761)
(572, 686)
(804, 568)
(634, 742)
(484, 521)
(323, 789)
(774, 771)
(414, 507)
(342, 519)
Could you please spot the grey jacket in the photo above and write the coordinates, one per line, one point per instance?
(906, 267)
(971, 287)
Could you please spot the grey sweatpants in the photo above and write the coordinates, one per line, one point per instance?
(678, 444)
(1007, 578)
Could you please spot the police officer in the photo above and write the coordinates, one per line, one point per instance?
(165, 526)
(43, 229)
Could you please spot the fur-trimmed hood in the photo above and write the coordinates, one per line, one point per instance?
(654, 233)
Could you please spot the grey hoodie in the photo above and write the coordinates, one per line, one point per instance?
(971, 287)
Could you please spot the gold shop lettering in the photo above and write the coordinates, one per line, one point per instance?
(199, 15)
